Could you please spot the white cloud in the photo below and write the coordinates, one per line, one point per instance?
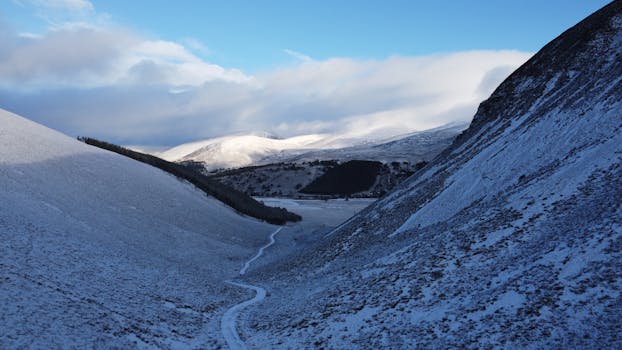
(196, 45)
(297, 55)
(87, 56)
(109, 82)
(168, 63)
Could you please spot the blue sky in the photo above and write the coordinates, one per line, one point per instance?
(283, 66)
(253, 34)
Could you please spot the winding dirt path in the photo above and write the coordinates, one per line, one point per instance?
(260, 252)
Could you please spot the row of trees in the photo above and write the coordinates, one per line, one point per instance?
(237, 200)
(345, 179)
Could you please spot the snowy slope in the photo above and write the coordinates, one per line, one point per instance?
(237, 151)
(97, 250)
(511, 238)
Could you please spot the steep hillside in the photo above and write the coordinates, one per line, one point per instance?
(100, 251)
(237, 200)
(511, 238)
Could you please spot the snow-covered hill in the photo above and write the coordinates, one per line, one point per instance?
(100, 251)
(511, 238)
(238, 150)
(284, 172)
(411, 148)
(243, 150)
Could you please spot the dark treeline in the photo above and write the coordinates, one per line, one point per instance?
(345, 179)
(237, 200)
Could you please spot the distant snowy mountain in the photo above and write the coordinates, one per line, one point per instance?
(412, 148)
(100, 251)
(511, 238)
(284, 167)
(244, 150)
(237, 151)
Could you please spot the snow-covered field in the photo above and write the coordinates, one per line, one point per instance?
(327, 213)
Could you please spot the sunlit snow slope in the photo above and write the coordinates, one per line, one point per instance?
(511, 238)
(243, 150)
(238, 150)
(97, 250)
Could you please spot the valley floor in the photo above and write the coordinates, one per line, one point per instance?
(320, 217)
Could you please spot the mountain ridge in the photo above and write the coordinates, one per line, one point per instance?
(237, 151)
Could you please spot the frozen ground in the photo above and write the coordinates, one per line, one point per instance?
(327, 213)
(319, 219)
